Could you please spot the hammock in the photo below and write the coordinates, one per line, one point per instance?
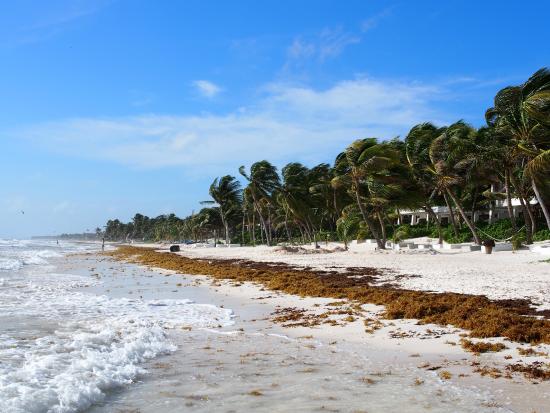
(500, 240)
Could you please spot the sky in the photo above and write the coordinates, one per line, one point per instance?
(112, 107)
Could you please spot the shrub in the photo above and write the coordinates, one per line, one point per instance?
(542, 235)
(517, 241)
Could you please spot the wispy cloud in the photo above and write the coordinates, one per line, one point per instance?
(301, 49)
(334, 41)
(206, 88)
(139, 98)
(289, 122)
(373, 21)
(52, 21)
(328, 43)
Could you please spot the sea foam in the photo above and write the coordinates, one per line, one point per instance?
(85, 344)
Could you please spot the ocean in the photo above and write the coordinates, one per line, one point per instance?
(63, 349)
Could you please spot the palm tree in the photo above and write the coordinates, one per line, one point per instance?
(522, 114)
(348, 224)
(417, 152)
(447, 153)
(326, 200)
(363, 162)
(263, 180)
(226, 193)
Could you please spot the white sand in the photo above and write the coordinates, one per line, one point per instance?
(397, 343)
(501, 275)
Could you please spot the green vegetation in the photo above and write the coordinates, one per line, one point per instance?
(361, 195)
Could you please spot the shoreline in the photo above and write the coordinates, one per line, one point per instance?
(433, 348)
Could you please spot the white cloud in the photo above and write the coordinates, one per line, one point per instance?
(53, 19)
(300, 49)
(329, 43)
(334, 41)
(373, 21)
(207, 88)
(288, 123)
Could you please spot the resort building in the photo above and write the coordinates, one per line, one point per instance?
(497, 210)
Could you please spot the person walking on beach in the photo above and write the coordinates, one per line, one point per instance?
(103, 244)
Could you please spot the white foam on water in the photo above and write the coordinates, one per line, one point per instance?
(78, 364)
(10, 264)
(61, 350)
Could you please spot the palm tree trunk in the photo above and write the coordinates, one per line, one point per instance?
(527, 206)
(262, 220)
(302, 234)
(382, 227)
(525, 210)
(464, 216)
(226, 226)
(531, 215)
(313, 231)
(243, 230)
(336, 211)
(433, 216)
(269, 232)
(509, 200)
(253, 228)
(540, 200)
(474, 204)
(286, 226)
(451, 214)
(370, 224)
(262, 232)
(528, 222)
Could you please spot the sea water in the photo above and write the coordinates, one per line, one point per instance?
(62, 349)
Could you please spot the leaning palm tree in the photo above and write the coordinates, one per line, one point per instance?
(417, 151)
(447, 153)
(226, 193)
(522, 114)
(363, 161)
(293, 198)
(348, 224)
(263, 180)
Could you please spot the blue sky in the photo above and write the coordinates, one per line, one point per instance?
(113, 107)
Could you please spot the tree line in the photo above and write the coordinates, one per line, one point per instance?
(371, 181)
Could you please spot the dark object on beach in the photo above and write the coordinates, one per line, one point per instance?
(174, 248)
(489, 244)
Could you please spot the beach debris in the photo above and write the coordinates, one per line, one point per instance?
(481, 346)
(445, 375)
(529, 351)
(535, 371)
(516, 320)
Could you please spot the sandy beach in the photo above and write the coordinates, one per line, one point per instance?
(502, 275)
(397, 361)
(87, 331)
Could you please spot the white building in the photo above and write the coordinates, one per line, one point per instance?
(498, 210)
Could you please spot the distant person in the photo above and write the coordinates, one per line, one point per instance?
(57, 241)
(103, 244)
